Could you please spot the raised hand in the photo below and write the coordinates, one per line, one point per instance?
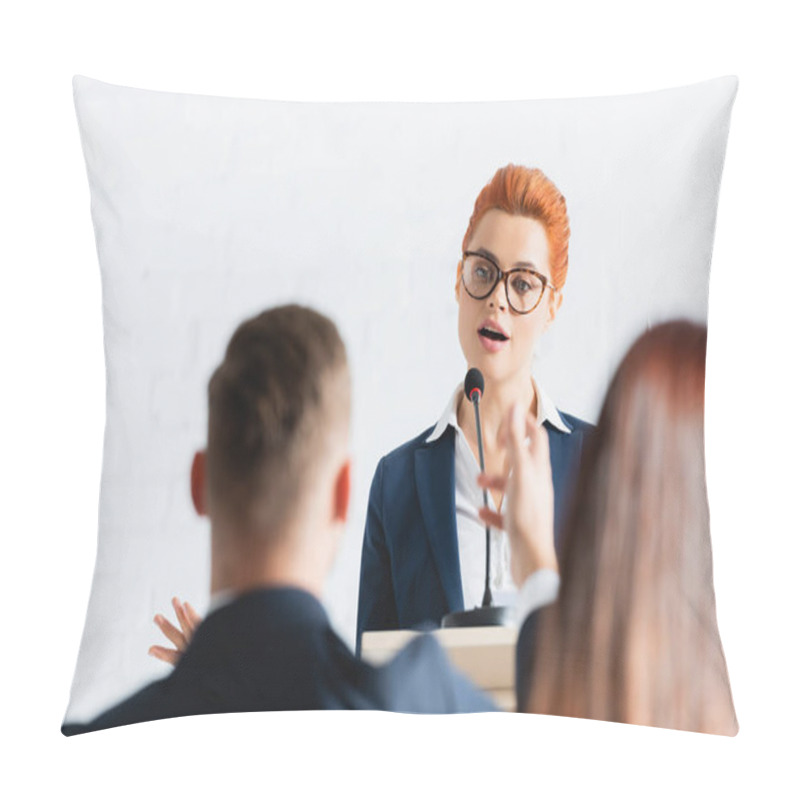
(529, 514)
(188, 619)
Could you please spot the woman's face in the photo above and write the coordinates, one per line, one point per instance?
(511, 241)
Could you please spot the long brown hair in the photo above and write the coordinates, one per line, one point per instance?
(633, 636)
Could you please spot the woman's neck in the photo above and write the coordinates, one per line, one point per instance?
(498, 397)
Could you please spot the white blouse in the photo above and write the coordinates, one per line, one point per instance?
(540, 588)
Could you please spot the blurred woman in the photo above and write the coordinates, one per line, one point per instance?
(633, 635)
(424, 545)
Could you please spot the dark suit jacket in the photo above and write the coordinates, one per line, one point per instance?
(526, 644)
(274, 649)
(410, 568)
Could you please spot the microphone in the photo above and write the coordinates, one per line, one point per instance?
(473, 387)
(486, 613)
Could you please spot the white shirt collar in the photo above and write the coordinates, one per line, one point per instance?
(546, 411)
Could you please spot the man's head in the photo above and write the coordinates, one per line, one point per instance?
(278, 428)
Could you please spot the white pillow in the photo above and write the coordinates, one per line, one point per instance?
(207, 210)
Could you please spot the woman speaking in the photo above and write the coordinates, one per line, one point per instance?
(424, 545)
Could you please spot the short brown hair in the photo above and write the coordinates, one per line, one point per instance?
(633, 636)
(282, 387)
(530, 193)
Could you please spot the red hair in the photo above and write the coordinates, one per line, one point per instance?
(530, 193)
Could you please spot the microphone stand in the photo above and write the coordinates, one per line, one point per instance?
(486, 613)
(487, 592)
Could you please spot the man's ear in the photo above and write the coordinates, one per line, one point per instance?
(341, 492)
(198, 483)
(459, 272)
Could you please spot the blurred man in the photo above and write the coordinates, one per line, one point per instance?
(275, 483)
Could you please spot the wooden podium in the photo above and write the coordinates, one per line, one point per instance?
(485, 655)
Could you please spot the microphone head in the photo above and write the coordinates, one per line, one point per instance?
(473, 383)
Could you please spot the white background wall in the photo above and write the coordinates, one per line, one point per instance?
(53, 395)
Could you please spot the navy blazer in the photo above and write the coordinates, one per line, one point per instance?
(274, 650)
(523, 668)
(410, 568)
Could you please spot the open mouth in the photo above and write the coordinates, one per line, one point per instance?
(492, 334)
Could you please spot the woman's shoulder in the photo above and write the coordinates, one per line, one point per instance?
(406, 451)
(393, 470)
(576, 424)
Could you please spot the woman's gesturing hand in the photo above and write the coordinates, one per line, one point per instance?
(528, 517)
(188, 619)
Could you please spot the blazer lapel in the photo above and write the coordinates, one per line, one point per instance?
(565, 451)
(559, 452)
(434, 472)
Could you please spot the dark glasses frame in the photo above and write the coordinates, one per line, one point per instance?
(504, 276)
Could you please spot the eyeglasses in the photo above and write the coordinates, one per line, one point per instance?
(480, 274)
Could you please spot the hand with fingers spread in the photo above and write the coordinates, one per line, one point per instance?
(529, 515)
(188, 619)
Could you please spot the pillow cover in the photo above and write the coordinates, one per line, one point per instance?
(208, 209)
